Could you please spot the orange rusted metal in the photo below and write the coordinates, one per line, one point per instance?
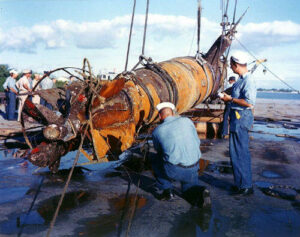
(182, 81)
(116, 110)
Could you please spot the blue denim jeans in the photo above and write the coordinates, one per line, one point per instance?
(46, 104)
(166, 173)
(11, 106)
(225, 119)
(239, 147)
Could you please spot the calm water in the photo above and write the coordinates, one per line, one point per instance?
(278, 95)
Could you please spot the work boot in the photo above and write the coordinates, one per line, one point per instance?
(166, 195)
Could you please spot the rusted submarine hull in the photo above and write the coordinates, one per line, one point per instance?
(117, 110)
(182, 81)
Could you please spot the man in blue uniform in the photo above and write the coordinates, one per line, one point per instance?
(11, 93)
(178, 153)
(242, 100)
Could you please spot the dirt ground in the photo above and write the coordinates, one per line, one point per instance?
(104, 201)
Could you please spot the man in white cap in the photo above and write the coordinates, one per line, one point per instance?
(178, 153)
(11, 93)
(24, 85)
(242, 100)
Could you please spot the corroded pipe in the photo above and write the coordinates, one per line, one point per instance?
(183, 81)
(127, 103)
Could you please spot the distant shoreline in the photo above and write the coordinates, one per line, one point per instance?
(278, 95)
(285, 92)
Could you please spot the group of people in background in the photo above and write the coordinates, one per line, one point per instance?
(20, 89)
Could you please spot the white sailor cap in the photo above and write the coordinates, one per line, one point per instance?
(165, 105)
(240, 57)
(13, 72)
(27, 71)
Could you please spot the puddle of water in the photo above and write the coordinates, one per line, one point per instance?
(270, 174)
(16, 223)
(274, 222)
(262, 184)
(12, 194)
(71, 201)
(113, 223)
(195, 222)
(263, 221)
(269, 131)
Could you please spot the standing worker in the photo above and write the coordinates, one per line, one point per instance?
(24, 85)
(228, 90)
(11, 94)
(178, 153)
(36, 98)
(241, 120)
(45, 84)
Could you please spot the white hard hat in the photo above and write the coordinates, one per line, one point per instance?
(165, 105)
(13, 72)
(240, 57)
(27, 71)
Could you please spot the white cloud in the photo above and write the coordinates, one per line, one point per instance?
(94, 35)
(269, 34)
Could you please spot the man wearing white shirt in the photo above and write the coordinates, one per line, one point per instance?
(24, 85)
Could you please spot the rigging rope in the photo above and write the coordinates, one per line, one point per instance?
(234, 12)
(130, 33)
(145, 28)
(267, 67)
(198, 26)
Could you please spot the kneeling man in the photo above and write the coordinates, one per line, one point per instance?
(178, 153)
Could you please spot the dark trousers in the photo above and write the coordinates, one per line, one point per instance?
(6, 104)
(11, 106)
(225, 119)
(45, 103)
(239, 147)
(166, 173)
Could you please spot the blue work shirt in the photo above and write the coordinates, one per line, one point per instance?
(244, 88)
(176, 141)
(5, 83)
(46, 83)
(11, 83)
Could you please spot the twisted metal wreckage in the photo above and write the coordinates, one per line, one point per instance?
(109, 114)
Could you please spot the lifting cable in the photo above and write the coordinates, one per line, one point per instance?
(234, 12)
(145, 28)
(130, 33)
(198, 26)
(267, 67)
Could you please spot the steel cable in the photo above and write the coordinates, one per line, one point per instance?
(145, 28)
(130, 33)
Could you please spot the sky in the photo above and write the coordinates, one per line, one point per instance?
(48, 34)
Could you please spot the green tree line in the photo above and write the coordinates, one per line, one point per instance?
(4, 73)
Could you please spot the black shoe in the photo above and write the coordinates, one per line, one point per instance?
(206, 199)
(166, 195)
(245, 192)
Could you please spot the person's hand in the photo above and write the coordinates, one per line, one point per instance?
(226, 97)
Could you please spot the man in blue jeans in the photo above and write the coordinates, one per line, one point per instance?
(242, 100)
(11, 91)
(178, 153)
